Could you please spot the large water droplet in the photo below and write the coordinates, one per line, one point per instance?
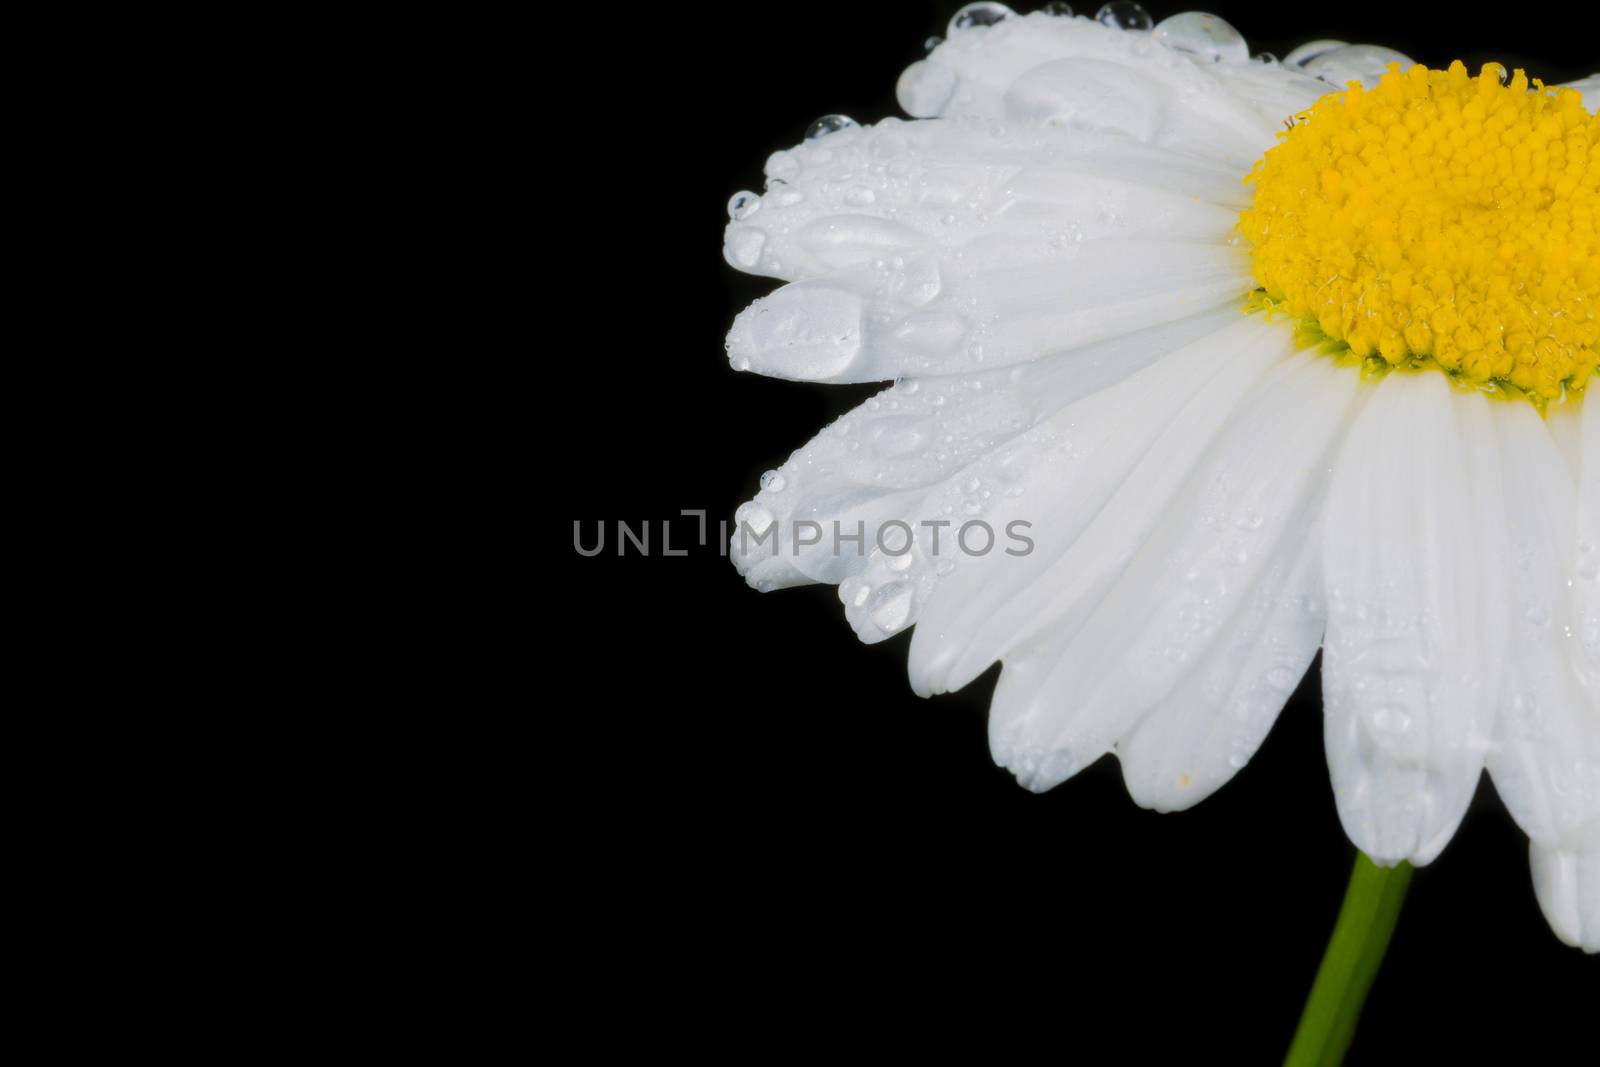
(1124, 15)
(890, 607)
(1365, 63)
(984, 13)
(925, 88)
(1058, 9)
(828, 124)
(1207, 37)
(743, 204)
(754, 516)
(1304, 54)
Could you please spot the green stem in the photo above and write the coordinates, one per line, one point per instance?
(1355, 952)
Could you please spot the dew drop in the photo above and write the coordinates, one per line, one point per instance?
(1365, 63)
(890, 607)
(754, 516)
(828, 124)
(773, 482)
(931, 43)
(1206, 37)
(1124, 15)
(898, 561)
(983, 13)
(1058, 9)
(743, 204)
(1304, 54)
(925, 88)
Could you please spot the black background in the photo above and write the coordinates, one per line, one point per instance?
(775, 838)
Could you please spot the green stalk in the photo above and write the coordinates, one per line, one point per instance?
(1355, 952)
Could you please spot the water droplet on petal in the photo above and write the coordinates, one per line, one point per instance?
(1365, 63)
(828, 124)
(1124, 15)
(1304, 54)
(932, 42)
(773, 482)
(754, 516)
(782, 165)
(925, 88)
(1058, 9)
(1206, 37)
(743, 204)
(983, 13)
(890, 607)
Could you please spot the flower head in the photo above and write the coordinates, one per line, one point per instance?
(1242, 351)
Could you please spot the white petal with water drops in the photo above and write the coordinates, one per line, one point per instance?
(866, 193)
(1568, 885)
(1585, 580)
(895, 456)
(1416, 621)
(1237, 582)
(1000, 304)
(1546, 759)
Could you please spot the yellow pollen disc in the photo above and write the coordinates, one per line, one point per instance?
(1439, 220)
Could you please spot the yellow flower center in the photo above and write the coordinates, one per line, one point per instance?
(1439, 220)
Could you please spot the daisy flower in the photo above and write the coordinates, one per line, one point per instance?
(1256, 358)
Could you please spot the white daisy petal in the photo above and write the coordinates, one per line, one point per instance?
(1565, 423)
(1586, 567)
(1138, 441)
(1079, 74)
(1202, 733)
(1227, 587)
(1275, 91)
(897, 188)
(884, 460)
(948, 313)
(1589, 88)
(1136, 595)
(1411, 662)
(1546, 759)
(1568, 885)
